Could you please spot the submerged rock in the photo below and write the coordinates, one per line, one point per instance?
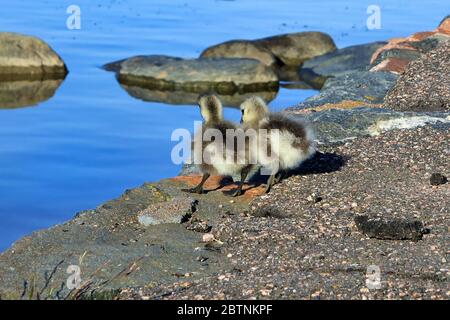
(25, 57)
(424, 85)
(24, 93)
(224, 76)
(316, 70)
(116, 66)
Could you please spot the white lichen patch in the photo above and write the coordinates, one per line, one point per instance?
(404, 123)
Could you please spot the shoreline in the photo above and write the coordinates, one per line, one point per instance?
(369, 197)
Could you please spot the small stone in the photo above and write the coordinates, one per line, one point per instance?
(185, 284)
(314, 197)
(315, 294)
(265, 292)
(394, 229)
(208, 237)
(202, 259)
(175, 210)
(247, 292)
(437, 179)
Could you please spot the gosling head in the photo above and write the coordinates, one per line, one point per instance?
(253, 110)
(210, 108)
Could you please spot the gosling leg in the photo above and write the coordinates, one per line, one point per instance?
(270, 182)
(198, 189)
(280, 176)
(238, 191)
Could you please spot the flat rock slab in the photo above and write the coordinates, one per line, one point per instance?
(316, 251)
(222, 75)
(367, 88)
(316, 70)
(118, 244)
(24, 56)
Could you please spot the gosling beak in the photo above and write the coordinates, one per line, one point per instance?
(242, 121)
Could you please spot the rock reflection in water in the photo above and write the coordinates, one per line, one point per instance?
(183, 97)
(25, 93)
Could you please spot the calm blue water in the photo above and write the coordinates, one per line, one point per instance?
(91, 140)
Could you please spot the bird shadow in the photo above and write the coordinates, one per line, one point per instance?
(319, 163)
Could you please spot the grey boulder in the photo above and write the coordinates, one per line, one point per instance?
(241, 49)
(316, 70)
(222, 75)
(25, 56)
(295, 48)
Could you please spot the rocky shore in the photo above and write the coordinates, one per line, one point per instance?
(376, 194)
(304, 241)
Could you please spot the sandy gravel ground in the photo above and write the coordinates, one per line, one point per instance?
(308, 245)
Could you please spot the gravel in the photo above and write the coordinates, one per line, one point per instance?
(425, 84)
(314, 250)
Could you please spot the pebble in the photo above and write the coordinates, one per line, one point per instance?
(314, 198)
(208, 237)
(437, 179)
(265, 292)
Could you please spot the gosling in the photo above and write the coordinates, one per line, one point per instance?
(288, 141)
(210, 148)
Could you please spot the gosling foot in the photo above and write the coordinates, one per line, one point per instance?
(233, 193)
(194, 190)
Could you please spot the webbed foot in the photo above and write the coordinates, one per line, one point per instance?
(194, 190)
(233, 193)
